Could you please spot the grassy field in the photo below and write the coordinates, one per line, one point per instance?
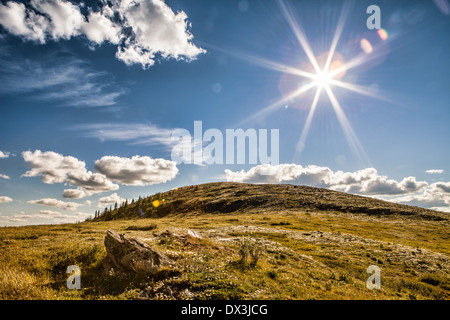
(270, 251)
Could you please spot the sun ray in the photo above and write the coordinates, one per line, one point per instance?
(300, 35)
(261, 62)
(277, 66)
(302, 140)
(321, 78)
(350, 135)
(273, 106)
(358, 89)
(337, 36)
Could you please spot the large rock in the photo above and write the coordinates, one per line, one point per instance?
(130, 254)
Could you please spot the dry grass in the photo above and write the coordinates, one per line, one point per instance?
(298, 252)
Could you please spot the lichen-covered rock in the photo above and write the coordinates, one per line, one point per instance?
(130, 254)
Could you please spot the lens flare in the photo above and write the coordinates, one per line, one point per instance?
(366, 46)
(339, 67)
(156, 203)
(383, 34)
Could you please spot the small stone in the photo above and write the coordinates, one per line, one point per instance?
(194, 234)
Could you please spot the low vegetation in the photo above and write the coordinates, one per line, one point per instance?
(240, 241)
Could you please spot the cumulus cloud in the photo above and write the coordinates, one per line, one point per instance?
(91, 182)
(4, 176)
(380, 185)
(435, 171)
(141, 29)
(157, 30)
(5, 199)
(436, 196)
(137, 171)
(50, 202)
(56, 168)
(20, 21)
(111, 199)
(77, 193)
(442, 186)
(366, 181)
(53, 168)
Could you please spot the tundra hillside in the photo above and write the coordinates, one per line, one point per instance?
(238, 241)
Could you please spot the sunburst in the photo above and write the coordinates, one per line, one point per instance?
(322, 79)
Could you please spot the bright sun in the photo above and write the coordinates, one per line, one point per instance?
(323, 79)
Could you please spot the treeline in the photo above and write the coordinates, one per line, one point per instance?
(155, 205)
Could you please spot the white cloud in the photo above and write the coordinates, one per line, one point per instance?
(56, 168)
(52, 166)
(79, 216)
(142, 29)
(266, 173)
(111, 199)
(91, 182)
(50, 202)
(19, 21)
(63, 18)
(100, 28)
(44, 216)
(5, 199)
(437, 195)
(157, 30)
(380, 185)
(366, 181)
(137, 171)
(442, 186)
(442, 209)
(134, 55)
(77, 193)
(4, 155)
(49, 213)
(435, 171)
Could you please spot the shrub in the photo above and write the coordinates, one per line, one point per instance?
(249, 248)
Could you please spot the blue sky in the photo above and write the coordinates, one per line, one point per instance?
(90, 93)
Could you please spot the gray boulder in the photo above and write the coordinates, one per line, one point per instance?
(130, 254)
